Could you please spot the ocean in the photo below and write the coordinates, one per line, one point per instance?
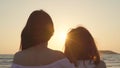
(111, 60)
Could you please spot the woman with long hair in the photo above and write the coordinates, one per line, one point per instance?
(81, 50)
(34, 52)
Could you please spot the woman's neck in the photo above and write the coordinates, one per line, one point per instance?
(40, 46)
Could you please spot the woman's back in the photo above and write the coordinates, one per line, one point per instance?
(40, 57)
(36, 56)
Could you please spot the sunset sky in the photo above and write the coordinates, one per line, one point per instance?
(100, 17)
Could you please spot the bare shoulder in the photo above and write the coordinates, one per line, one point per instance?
(17, 56)
(22, 58)
(101, 64)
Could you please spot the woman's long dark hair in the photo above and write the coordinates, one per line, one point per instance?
(80, 45)
(39, 29)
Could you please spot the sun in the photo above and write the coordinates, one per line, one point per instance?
(62, 36)
(58, 40)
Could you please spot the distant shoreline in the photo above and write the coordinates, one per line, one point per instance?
(107, 52)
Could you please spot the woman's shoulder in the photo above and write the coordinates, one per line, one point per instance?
(21, 57)
(101, 64)
(17, 56)
(48, 57)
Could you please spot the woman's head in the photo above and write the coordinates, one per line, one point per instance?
(80, 45)
(39, 29)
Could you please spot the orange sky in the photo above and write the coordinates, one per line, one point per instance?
(101, 18)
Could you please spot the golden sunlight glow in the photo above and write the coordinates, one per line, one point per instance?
(62, 36)
(58, 40)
